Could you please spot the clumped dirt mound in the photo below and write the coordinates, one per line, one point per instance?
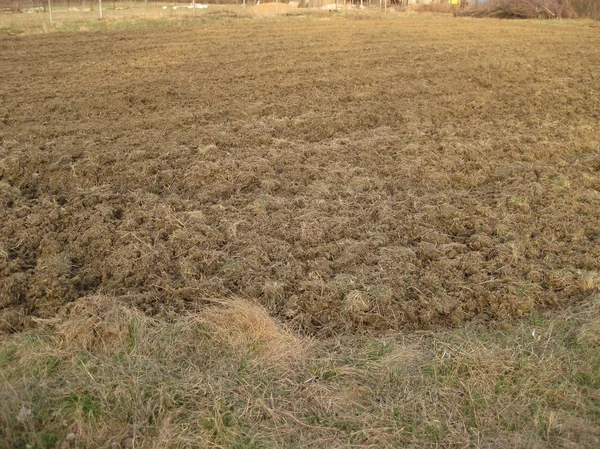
(400, 184)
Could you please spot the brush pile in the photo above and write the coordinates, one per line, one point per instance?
(521, 9)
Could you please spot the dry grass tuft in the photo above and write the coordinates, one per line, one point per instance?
(247, 327)
(356, 302)
(94, 323)
(590, 281)
(589, 332)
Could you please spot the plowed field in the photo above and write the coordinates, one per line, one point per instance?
(346, 174)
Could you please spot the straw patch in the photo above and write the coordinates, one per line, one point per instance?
(248, 328)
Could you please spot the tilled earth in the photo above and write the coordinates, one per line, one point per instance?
(346, 174)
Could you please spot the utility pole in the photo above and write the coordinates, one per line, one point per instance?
(100, 7)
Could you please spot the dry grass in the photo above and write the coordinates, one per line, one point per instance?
(245, 327)
(218, 380)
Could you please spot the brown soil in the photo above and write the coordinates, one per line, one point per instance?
(345, 174)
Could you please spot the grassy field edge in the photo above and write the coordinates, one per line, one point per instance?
(104, 375)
